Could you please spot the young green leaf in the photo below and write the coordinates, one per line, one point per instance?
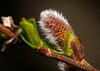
(67, 46)
(29, 33)
(51, 46)
(3, 36)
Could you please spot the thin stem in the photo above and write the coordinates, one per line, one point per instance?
(51, 54)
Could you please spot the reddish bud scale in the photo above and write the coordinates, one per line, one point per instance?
(77, 49)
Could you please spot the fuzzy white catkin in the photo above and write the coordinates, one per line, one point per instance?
(49, 35)
(47, 32)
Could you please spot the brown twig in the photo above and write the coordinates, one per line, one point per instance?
(51, 54)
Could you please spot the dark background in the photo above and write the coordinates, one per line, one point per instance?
(83, 15)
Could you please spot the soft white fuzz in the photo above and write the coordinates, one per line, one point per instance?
(61, 66)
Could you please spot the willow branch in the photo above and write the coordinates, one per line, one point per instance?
(42, 50)
(51, 54)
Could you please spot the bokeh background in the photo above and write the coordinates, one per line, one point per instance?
(83, 15)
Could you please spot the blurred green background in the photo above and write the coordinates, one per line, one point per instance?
(83, 15)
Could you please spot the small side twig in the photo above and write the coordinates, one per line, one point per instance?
(51, 54)
(9, 29)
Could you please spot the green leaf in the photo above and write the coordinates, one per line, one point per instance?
(29, 33)
(3, 36)
(52, 47)
(67, 46)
